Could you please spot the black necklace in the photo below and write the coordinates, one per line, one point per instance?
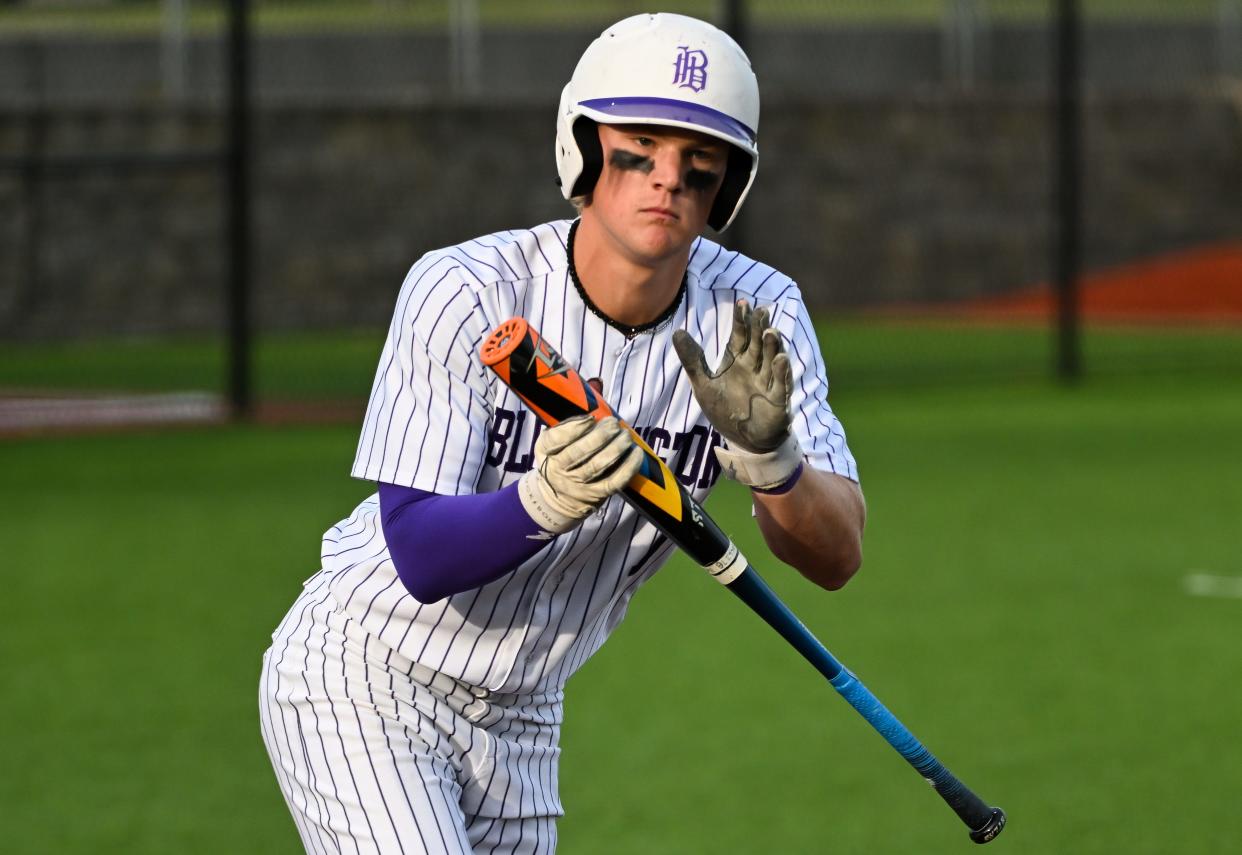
(628, 330)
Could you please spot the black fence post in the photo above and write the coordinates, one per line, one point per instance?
(32, 180)
(1067, 194)
(237, 211)
(734, 22)
(32, 122)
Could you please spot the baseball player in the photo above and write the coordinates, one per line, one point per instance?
(411, 700)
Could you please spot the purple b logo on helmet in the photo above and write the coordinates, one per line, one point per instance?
(690, 69)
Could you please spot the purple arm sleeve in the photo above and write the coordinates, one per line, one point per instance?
(443, 545)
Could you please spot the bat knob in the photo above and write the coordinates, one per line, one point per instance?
(991, 828)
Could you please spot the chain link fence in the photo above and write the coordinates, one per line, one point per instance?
(907, 180)
(141, 51)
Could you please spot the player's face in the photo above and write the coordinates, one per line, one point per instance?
(657, 188)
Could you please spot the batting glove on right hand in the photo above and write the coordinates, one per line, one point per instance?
(578, 464)
(747, 398)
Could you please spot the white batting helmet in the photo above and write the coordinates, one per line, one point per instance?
(661, 69)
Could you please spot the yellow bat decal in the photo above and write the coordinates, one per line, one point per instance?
(656, 485)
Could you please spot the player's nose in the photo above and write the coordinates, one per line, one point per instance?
(668, 171)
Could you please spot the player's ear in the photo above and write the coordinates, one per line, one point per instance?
(586, 134)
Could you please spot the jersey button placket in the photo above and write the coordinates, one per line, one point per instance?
(620, 403)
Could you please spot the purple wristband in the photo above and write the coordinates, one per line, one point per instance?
(783, 487)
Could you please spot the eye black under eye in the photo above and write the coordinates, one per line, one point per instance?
(621, 159)
(701, 179)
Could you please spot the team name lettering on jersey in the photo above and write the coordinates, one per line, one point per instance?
(511, 446)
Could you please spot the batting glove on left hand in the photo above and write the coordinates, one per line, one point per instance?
(747, 398)
(579, 463)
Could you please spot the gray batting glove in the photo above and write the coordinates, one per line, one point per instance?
(747, 398)
(578, 464)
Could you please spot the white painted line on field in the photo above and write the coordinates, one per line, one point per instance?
(33, 413)
(1207, 585)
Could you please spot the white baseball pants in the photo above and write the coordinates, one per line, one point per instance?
(378, 754)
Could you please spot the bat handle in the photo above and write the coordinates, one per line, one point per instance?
(984, 821)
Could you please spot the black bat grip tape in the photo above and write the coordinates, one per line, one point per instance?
(991, 828)
(985, 822)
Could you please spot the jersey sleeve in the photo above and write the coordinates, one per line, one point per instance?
(426, 421)
(817, 427)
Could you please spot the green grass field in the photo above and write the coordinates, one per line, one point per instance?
(1022, 609)
(862, 352)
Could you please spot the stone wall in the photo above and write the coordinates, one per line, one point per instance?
(865, 201)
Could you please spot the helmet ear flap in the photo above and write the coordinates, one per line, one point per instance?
(586, 135)
(736, 179)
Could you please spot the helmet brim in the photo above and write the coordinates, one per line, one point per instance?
(669, 111)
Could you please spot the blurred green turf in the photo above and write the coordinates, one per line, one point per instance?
(286, 366)
(861, 352)
(1021, 609)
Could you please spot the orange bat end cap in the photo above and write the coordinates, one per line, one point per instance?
(500, 345)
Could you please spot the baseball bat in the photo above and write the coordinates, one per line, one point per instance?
(554, 391)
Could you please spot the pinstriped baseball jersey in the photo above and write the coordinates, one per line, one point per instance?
(439, 421)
